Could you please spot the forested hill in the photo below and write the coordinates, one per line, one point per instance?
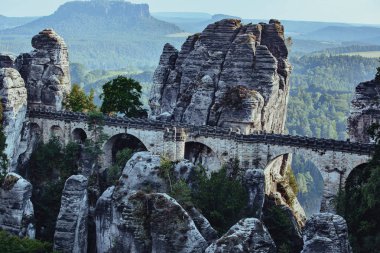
(10, 22)
(100, 34)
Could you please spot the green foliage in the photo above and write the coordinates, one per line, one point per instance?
(292, 180)
(363, 190)
(221, 199)
(122, 95)
(49, 167)
(166, 171)
(13, 244)
(114, 172)
(78, 101)
(182, 193)
(280, 228)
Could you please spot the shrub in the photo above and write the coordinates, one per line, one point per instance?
(13, 244)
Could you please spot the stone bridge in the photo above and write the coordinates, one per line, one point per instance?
(208, 145)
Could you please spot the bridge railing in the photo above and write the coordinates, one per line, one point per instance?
(317, 144)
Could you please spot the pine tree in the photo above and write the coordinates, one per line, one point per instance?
(78, 101)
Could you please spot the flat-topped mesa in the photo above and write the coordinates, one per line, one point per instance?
(365, 110)
(230, 75)
(46, 70)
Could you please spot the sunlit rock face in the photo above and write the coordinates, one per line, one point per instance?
(14, 102)
(365, 110)
(230, 75)
(326, 232)
(16, 209)
(46, 70)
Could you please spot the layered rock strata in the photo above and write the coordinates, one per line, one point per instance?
(16, 209)
(255, 183)
(138, 216)
(365, 110)
(230, 75)
(46, 70)
(71, 227)
(326, 232)
(14, 102)
(248, 235)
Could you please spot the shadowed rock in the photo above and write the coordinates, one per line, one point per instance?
(71, 228)
(16, 209)
(248, 235)
(326, 232)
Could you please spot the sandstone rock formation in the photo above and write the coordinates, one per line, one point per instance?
(14, 101)
(71, 228)
(365, 110)
(142, 172)
(230, 75)
(7, 61)
(255, 182)
(326, 232)
(46, 70)
(138, 216)
(16, 209)
(141, 222)
(248, 235)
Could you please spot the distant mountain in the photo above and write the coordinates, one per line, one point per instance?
(10, 22)
(348, 33)
(100, 34)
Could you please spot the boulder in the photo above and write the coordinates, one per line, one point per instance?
(142, 172)
(71, 228)
(230, 75)
(326, 232)
(142, 222)
(14, 101)
(16, 209)
(46, 70)
(248, 235)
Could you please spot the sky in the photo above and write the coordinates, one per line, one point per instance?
(348, 11)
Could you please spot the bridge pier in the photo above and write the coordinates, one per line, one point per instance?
(174, 144)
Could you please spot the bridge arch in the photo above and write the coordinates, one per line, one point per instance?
(57, 131)
(79, 135)
(200, 153)
(119, 142)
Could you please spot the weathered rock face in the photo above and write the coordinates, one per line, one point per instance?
(230, 75)
(14, 101)
(16, 209)
(255, 182)
(141, 222)
(248, 235)
(142, 172)
(128, 219)
(7, 61)
(365, 110)
(326, 232)
(46, 70)
(71, 228)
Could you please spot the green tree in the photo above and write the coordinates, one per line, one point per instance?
(78, 101)
(11, 244)
(221, 199)
(114, 172)
(122, 95)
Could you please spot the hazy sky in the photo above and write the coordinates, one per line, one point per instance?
(351, 11)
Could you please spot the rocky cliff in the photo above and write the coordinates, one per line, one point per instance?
(365, 110)
(14, 102)
(16, 209)
(230, 75)
(46, 70)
